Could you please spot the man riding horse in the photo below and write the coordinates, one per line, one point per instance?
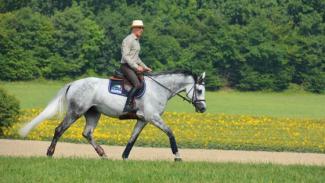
(89, 97)
(131, 64)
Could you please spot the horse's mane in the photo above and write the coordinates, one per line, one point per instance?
(176, 71)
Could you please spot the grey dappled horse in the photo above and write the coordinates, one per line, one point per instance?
(90, 97)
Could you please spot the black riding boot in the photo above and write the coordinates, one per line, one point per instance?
(128, 105)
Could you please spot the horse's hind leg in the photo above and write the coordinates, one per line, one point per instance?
(68, 120)
(92, 116)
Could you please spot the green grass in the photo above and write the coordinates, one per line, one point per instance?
(95, 170)
(35, 94)
(296, 105)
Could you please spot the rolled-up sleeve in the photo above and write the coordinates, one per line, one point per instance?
(127, 54)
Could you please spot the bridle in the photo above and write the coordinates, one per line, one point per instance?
(192, 100)
(194, 96)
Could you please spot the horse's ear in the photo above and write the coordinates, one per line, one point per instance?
(203, 76)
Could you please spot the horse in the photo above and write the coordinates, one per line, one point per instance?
(89, 97)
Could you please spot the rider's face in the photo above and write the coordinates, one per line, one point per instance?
(137, 31)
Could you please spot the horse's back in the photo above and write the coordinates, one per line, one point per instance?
(85, 87)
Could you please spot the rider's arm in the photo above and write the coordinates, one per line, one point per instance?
(139, 61)
(126, 54)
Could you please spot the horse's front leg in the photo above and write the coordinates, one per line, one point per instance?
(159, 123)
(135, 134)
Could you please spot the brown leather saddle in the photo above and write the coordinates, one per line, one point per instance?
(120, 85)
(118, 77)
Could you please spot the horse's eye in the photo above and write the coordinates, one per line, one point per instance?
(199, 92)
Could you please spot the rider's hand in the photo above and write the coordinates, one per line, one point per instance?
(140, 69)
(148, 69)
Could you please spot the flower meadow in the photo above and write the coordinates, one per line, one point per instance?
(194, 130)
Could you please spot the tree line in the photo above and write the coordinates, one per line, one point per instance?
(243, 44)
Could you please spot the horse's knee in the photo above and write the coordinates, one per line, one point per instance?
(169, 133)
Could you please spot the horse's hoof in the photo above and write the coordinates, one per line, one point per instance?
(177, 159)
(50, 152)
(125, 159)
(104, 156)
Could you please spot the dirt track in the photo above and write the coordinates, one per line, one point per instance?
(38, 148)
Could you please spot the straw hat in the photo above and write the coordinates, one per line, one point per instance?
(137, 23)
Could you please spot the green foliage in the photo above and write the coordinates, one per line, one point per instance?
(9, 110)
(248, 45)
(78, 41)
(315, 83)
(25, 44)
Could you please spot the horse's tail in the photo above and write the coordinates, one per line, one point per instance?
(57, 105)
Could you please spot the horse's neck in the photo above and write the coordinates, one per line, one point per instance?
(175, 82)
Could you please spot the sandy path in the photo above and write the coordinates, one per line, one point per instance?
(38, 148)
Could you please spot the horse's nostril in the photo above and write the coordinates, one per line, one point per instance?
(203, 109)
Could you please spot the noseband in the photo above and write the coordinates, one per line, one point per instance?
(194, 99)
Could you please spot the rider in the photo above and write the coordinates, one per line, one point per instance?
(131, 64)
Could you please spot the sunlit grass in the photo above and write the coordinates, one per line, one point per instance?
(94, 170)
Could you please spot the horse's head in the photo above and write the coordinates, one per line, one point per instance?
(196, 93)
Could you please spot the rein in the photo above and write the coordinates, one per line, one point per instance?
(191, 101)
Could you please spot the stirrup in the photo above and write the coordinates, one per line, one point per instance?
(130, 109)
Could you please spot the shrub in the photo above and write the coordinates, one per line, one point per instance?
(254, 81)
(9, 110)
(315, 83)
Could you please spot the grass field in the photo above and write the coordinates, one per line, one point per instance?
(36, 94)
(94, 170)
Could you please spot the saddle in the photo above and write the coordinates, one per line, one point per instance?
(120, 85)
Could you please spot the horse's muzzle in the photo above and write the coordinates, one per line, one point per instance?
(200, 107)
(202, 110)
